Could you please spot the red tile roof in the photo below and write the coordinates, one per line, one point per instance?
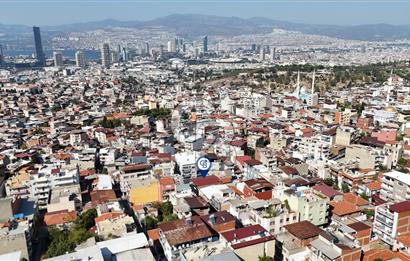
(359, 226)
(206, 181)
(241, 234)
(354, 199)
(343, 208)
(166, 181)
(244, 232)
(303, 230)
(237, 143)
(257, 184)
(221, 217)
(108, 215)
(185, 230)
(102, 196)
(59, 217)
(135, 167)
(243, 159)
(327, 191)
(400, 207)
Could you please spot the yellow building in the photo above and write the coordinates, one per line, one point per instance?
(146, 194)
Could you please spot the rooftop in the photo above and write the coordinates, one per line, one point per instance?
(303, 230)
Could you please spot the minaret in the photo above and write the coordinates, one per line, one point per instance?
(313, 82)
(298, 86)
(389, 87)
(390, 80)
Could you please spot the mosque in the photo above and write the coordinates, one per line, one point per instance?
(301, 93)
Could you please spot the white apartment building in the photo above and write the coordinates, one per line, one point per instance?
(186, 162)
(271, 215)
(391, 220)
(314, 147)
(395, 186)
(48, 178)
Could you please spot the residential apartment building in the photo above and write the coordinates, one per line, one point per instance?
(395, 186)
(391, 221)
(311, 206)
(48, 178)
(271, 215)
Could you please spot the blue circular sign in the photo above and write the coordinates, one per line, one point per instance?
(204, 165)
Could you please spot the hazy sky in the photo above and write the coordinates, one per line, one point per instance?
(54, 12)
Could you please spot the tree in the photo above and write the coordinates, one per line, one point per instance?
(345, 188)
(58, 243)
(63, 241)
(364, 196)
(402, 162)
(368, 212)
(286, 204)
(86, 219)
(329, 182)
(76, 236)
(264, 258)
(165, 211)
(150, 222)
(170, 217)
(250, 152)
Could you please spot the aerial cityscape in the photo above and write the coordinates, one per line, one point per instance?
(204, 136)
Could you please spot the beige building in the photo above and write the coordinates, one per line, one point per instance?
(311, 206)
(368, 157)
(345, 135)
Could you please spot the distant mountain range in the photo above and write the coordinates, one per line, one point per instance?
(194, 25)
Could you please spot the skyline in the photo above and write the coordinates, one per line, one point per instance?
(344, 12)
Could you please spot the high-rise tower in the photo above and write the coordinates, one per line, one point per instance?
(205, 44)
(80, 59)
(41, 59)
(58, 59)
(1, 54)
(105, 55)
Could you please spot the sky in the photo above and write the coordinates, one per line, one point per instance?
(340, 12)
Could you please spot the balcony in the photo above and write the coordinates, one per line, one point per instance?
(384, 221)
(385, 212)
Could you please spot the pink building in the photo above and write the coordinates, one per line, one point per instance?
(385, 135)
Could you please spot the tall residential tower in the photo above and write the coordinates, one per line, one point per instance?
(58, 59)
(80, 59)
(105, 55)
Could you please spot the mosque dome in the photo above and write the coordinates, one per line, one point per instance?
(390, 108)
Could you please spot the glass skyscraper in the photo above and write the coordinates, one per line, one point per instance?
(41, 59)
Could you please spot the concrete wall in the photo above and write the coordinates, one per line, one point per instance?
(251, 253)
(12, 243)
